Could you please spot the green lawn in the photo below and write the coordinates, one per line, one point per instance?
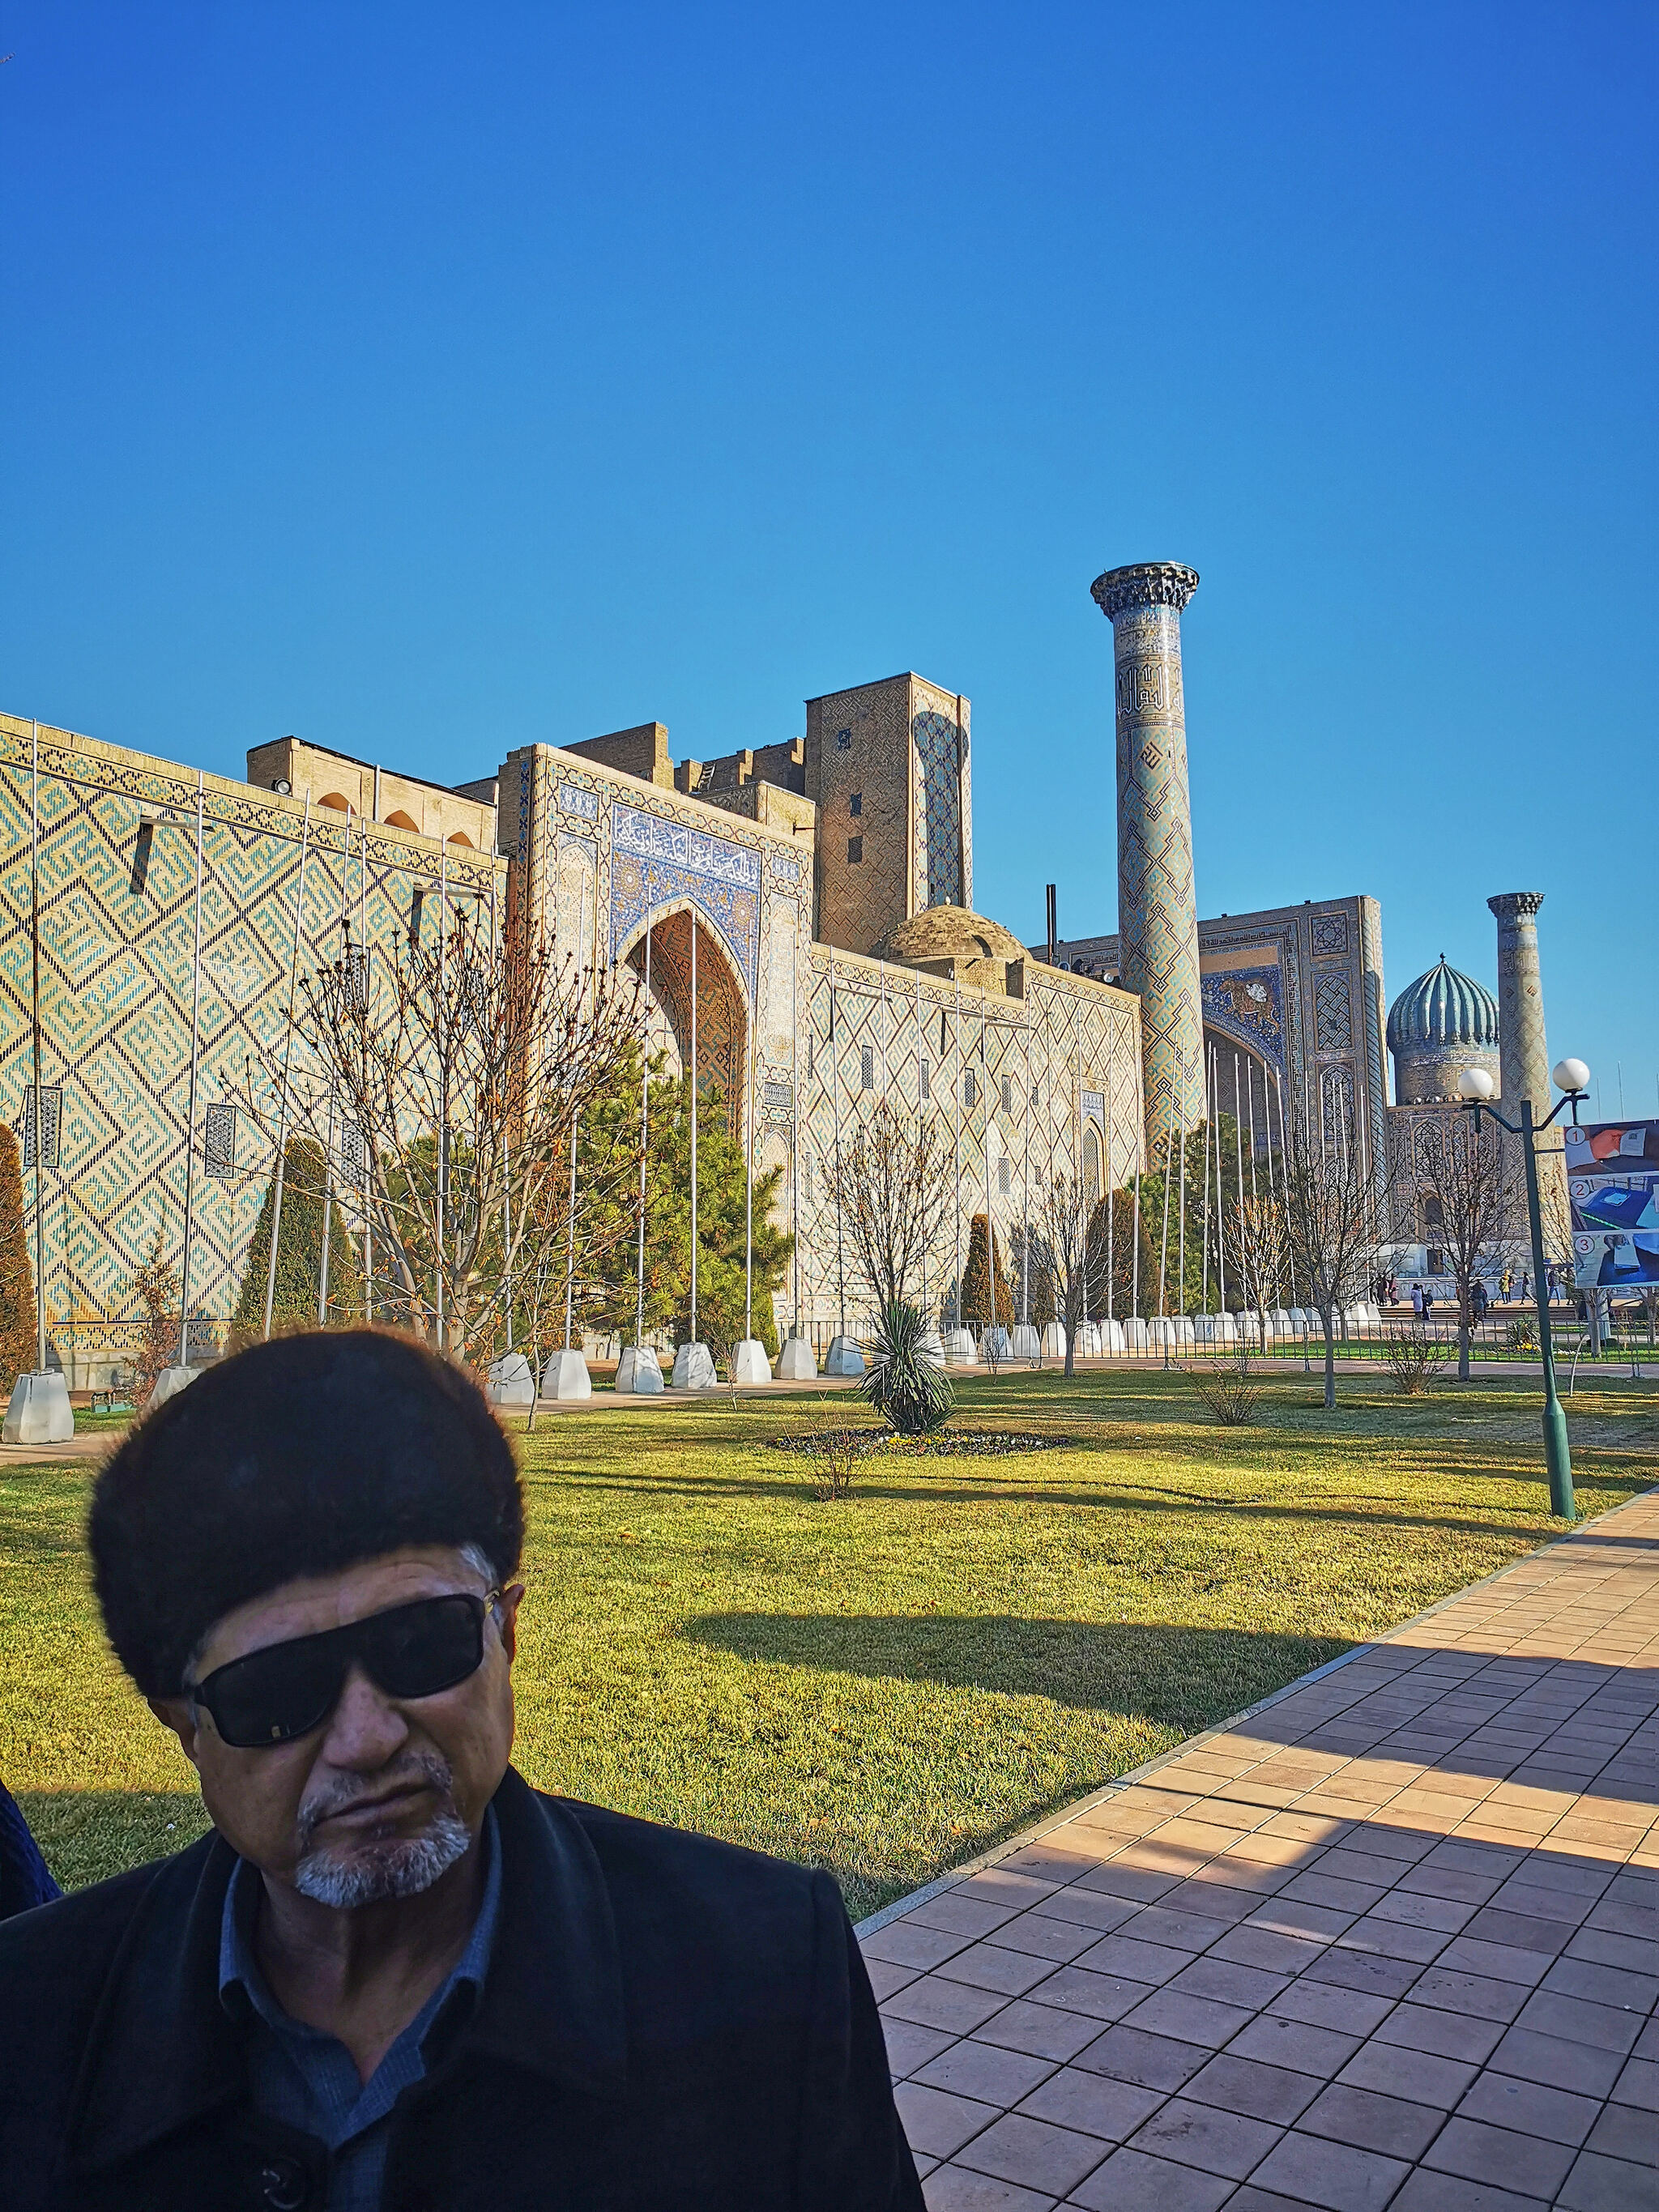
(888, 1684)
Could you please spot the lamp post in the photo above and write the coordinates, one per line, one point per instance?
(1475, 1088)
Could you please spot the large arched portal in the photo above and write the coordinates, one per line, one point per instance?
(721, 1021)
(1242, 1082)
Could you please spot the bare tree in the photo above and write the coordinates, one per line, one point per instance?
(1465, 1189)
(1330, 1226)
(1255, 1241)
(890, 1195)
(449, 1086)
(1061, 1255)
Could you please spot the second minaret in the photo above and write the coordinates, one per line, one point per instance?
(1157, 907)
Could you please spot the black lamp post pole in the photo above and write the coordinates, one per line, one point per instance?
(1558, 1453)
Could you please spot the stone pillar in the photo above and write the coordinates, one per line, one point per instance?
(1157, 913)
(1522, 1056)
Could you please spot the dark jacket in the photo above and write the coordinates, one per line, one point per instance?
(24, 1880)
(668, 2024)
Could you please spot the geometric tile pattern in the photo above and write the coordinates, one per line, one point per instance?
(117, 930)
(1003, 1080)
(1384, 1942)
(940, 762)
(1332, 1011)
(1157, 915)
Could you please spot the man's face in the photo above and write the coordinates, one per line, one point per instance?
(385, 1793)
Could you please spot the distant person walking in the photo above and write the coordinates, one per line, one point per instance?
(1416, 1300)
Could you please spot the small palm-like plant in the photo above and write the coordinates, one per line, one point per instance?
(904, 1376)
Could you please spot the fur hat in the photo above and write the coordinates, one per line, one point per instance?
(298, 1457)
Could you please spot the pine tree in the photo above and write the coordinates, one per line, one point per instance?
(608, 1215)
(299, 1256)
(18, 1318)
(976, 1284)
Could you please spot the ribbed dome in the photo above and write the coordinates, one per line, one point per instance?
(949, 932)
(1440, 1009)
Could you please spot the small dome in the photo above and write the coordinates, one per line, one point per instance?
(1440, 1009)
(949, 932)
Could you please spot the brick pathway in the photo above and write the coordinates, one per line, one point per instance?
(1388, 1941)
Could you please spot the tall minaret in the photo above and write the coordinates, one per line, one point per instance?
(1523, 1057)
(1157, 913)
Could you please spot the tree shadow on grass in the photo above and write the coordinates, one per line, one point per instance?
(1178, 1677)
(1115, 1493)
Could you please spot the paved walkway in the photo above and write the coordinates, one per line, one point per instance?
(1390, 1940)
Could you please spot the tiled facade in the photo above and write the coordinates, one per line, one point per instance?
(1022, 1081)
(119, 914)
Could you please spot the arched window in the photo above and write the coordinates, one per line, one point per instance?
(1091, 1166)
(458, 837)
(338, 800)
(401, 821)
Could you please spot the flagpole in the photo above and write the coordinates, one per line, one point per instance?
(645, 1096)
(287, 1063)
(195, 1065)
(39, 1122)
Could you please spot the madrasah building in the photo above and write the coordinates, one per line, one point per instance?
(829, 883)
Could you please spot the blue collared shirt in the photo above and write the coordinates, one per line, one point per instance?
(307, 2079)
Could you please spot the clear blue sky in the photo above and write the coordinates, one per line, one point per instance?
(428, 379)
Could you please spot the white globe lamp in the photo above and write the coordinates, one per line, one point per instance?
(1571, 1076)
(1475, 1083)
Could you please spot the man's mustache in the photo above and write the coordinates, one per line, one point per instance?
(345, 1792)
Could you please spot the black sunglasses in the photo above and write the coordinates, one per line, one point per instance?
(288, 1689)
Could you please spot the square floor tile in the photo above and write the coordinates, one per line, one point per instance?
(1206, 2136)
(972, 2069)
(1189, 2019)
(1328, 2004)
(1557, 2063)
(1102, 1996)
(1451, 1990)
(1604, 2027)
(1151, 2062)
(1419, 2076)
(988, 1966)
(1447, 2034)
(1335, 2176)
(1042, 2030)
(1245, 2085)
(935, 2003)
(1034, 2153)
(955, 2188)
(1372, 2120)
(1530, 2108)
(1151, 1963)
(1295, 2044)
(909, 2047)
(1480, 2152)
(1092, 2103)
(1129, 2181)
(1059, 1941)
(1252, 1987)
(1607, 2184)
(935, 2121)
(1623, 2131)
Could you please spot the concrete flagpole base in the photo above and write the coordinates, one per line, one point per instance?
(694, 1368)
(510, 1383)
(639, 1372)
(40, 1412)
(750, 1363)
(797, 1362)
(1025, 1343)
(566, 1376)
(844, 1357)
(168, 1383)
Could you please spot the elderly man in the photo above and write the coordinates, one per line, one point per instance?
(395, 1975)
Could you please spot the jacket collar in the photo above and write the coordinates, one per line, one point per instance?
(158, 2055)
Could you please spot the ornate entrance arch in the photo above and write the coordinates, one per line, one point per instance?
(721, 1017)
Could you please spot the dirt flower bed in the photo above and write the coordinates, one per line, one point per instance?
(942, 1443)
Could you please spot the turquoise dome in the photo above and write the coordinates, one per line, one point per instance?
(1440, 1009)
